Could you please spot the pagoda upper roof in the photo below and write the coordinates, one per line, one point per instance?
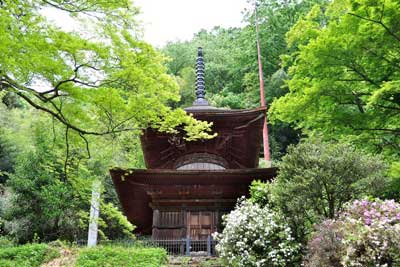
(237, 144)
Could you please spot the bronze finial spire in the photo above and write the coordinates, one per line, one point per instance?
(200, 84)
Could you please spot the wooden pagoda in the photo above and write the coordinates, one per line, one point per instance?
(188, 186)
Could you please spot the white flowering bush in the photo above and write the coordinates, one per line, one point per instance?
(367, 233)
(255, 236)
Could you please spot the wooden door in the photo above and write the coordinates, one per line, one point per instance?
(200, 224)
(168, 225)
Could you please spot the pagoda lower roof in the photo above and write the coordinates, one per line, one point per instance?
(141, 190)
(190, 177)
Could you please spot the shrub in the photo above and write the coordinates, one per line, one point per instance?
(367, 233)
(326, 245)
(113, 223)
(260, 193)
(6, 242)
(118, 256)
(316, 178)
(255, 236)
(393, 189)
(31, 255)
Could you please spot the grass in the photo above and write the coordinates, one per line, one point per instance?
(30, 255)
(57, 254)
(111, 256)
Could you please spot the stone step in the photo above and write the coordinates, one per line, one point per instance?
(175, 261)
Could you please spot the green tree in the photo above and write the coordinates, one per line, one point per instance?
(48, 190)
(99, 79)
(6, 159)
(344, 78)
(316, 179)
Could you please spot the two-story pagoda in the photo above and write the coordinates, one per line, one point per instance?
(188, 186)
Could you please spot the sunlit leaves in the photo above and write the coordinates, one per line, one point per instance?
(345, 73)
(100, 79)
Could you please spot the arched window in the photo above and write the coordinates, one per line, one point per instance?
(201, 166)
(201, 161)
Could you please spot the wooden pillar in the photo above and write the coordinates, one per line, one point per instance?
(156, 223)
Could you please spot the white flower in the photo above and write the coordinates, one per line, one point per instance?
(246, 239)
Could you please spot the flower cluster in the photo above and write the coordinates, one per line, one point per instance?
(367, 233)
(255, 236)
(372, 213)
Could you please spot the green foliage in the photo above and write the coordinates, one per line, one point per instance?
(316, 179)
(344, 75)
(113, 223)
(393, 190)
(6, 242)
(97, 79)
(30, 255)
(7, 146)
(6, 159)
(48, 193)
(42, 201)
(260, 193)
(119, 256)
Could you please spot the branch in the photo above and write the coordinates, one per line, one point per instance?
(397, 131)
(53, 128)
(386, 107)
(21, 91)
(87, 144)
(74, 79)
(88, 10)
(71, 126)
(363, 75)
(349, 80)
(358, 102)
(392, 63)
(66, 153)
(378, 22)
(73, 9)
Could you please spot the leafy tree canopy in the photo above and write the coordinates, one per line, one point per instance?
(345, 77)
(96, 81)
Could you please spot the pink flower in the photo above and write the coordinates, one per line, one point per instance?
(364, 203)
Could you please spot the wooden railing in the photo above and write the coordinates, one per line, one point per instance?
(185, 246)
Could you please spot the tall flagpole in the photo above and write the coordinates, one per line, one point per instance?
(267, 157)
